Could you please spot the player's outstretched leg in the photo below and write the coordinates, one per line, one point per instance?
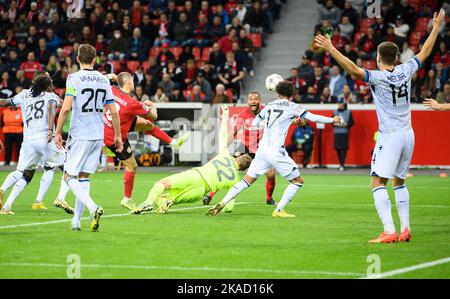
(238, 188)
(383, 206)
(10, 180)
(270, 186)
(153, 195)
(402, 202)
(60, 201)
(290, 191)
(17, 189)
(146, 125)
(46, 181)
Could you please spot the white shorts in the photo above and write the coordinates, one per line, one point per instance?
(31, 153)
(276, 157)
(55, 157)
(82, 156)
(392, 154)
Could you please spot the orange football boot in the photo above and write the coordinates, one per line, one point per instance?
(385, 238)
(405, 236)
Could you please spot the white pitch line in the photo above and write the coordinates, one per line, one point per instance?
(106, 216)
(361, 204)
(180, 268)
(408, 269)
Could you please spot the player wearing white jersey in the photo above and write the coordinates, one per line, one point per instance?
(87, 92)
(38, 106)
(276, 118)
(390, 86)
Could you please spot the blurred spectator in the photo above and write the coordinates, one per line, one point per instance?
(166, 84)
(140, 95)
(160, 96)
(163, 31)
(347, 96)
(241, 10)
(216, 56)
(220, 96)
(226, 42)
(177, 96)
(246, 45)
(430, 84)
(310, 96)
(329, 12)
(12, 63)
(444, 96)
(368, 44)
(296, 82)
(185, 55)
(137, 46)
(11, 124)
(302, 140)
(53, 66)
(442, 55)
(6, 86)
(100, 44)
(362, 90)
(165, 55)
(149, 31)
(231, 74)
(153, 67)
(201, 31)
(217, 29)
(104, 66)
(195, 95)
(138, 76)
(175, 72)
(380, 27)
(401, 30)
(319, 81)
(349, 52)
(117, 46)
(42, 54)
(350, 12)
(86, 36)
(21, 80)
(346, 27)
(30, 66)
(337, 81)
(204, 85)
(189, 72)
(342, 133)
(305, 70)
(326, 96)
(150, 84)
(257, 19)
(338, 40)
(183, 32)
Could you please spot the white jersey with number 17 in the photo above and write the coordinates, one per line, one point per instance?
(34, 112)
(91, 91)
(278, 116)
(391, 92)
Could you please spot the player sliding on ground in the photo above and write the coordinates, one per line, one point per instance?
(132, 114)
(276, 118)
(190, 186)
(252, 135)
(390, 87)
(87, 92)
(38, 106)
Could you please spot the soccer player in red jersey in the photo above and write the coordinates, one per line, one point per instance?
(134, 116)
(250, 141)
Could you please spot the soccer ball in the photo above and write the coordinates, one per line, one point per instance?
(272, 81)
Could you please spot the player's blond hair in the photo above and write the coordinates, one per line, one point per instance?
(123, 78)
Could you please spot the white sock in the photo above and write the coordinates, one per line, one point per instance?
(63, 189)
(81, 193)
(18, 187)
(103, 160)
(402, 201)
(11, 179)
(383, 205)
(288, 194)
(79, 206)
(46, 181)
(238, 188)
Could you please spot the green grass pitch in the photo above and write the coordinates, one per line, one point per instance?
(327, 239)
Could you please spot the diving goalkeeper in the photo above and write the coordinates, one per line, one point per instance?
(189, 186)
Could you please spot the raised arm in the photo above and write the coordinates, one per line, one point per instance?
(323, 119)
(51, 119)
(427, 47)
(349, 66)
(67, 106)
(223, 131)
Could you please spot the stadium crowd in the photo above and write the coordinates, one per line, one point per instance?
(318, 78)
(176, 50)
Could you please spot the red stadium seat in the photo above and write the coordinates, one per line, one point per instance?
(196, 52)
(365, 23)
(132, 66)
(205, 53)
(256, 39)
(414, 38)
(145, 65)
(369, 64)
(176, 51)
(230, 95)
(117, 66)
(154, 51)
(422, 24)
(357, 37)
